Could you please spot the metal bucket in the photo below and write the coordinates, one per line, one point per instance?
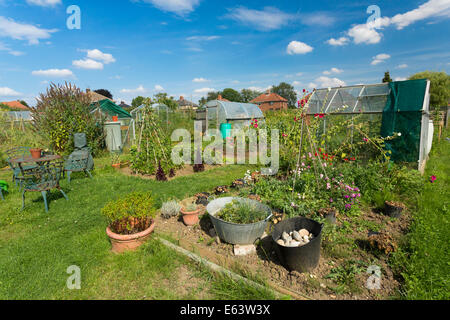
(237, 233)
(302, 259)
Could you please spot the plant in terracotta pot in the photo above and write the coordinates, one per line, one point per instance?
(36, 153)
(190, 214)
(131, 221)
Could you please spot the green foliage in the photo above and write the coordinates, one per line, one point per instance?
(129, 210)
(170, 209)
(440, 87)
(345, 274)
(407, 182)
(105, 93)
(63, 111)
(240, 212)
(13, 134)
(191, 207)
(248, 95)
(153, 146)
(287, 91)
(232, 95)
(137, 102)
(163, 98)
(424, 260)
(387, 77)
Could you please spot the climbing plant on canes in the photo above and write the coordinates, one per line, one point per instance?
(153, 147)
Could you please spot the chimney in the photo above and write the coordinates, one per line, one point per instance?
(268, 91)
(182, 98)
(219, 97)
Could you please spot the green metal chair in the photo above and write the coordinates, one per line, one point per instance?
(77, 162)
(14, 153)
(43, 179)
(1, 194)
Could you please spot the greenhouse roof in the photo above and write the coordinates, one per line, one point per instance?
(235, 110)
(352, 99)
(156, 106)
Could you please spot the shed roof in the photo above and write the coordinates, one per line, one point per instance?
(112, 109)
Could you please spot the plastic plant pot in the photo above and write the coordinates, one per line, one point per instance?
(304, 258)
(393, 210)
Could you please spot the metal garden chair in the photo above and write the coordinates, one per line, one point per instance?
(14, 153)
(77, 162)
(43, 179)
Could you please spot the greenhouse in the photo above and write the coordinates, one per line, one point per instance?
(400, 108)
(238, 115)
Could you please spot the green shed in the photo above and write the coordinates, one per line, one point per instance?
(109, 109)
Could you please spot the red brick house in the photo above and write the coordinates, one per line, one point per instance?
(15, 106)
(270, 101)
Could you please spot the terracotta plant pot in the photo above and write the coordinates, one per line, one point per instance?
(190, 218)
(36, 153)
(121, 243)
(116, 165)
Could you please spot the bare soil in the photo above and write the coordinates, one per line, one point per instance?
(266, 265)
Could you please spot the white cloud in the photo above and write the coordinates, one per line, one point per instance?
(53, 73)
(202, 38)
(432, 8)
(368, 34)
(200, 80)
(8, 92)
(342, 41)
(268, 19)
(317, 19)
(179, 7)
(139, 89)
(260, 89)
(380, 58)
(402, 66)
(297, 47)
(88, 64)
(326, 82)
(296, 83)
(44, 3)
(96, 54)
(6, 48)
(159, 88)
(333, 71)
(204, 90)
(22, 31)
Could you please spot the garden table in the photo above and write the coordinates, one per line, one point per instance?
(43, 161)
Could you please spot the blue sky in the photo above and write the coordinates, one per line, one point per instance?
(188, 47)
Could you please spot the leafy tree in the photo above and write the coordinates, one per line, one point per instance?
(105, 93)
(63, 111)
(24, 103)
(248, 95)
(440, 87)
(232, 95)
(287, 91)
(163, 98)
(137, 102)
(212, 96)
(202, 101)
(387, 77)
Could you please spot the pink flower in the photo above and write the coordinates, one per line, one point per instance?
(366, 140)
(328, 186)
(433, 179)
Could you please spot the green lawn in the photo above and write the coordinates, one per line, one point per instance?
(36, 248)
(426, 257)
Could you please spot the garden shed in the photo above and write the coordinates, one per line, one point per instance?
(238, 115)
(401, 107)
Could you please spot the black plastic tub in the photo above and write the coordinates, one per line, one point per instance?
(304, 258)
(392, 211)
